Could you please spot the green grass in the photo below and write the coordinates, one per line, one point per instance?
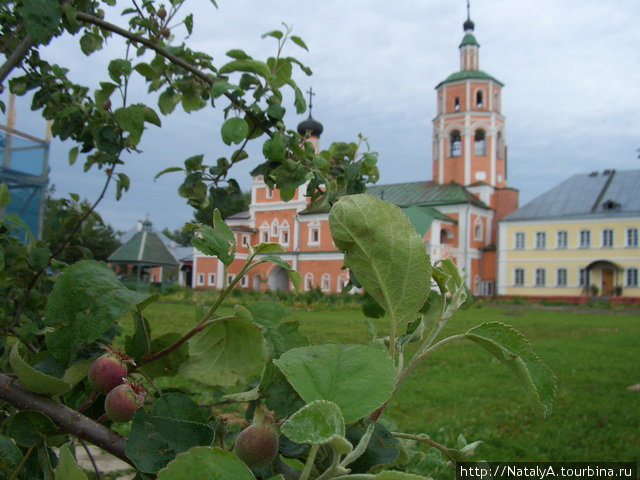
(463, 390)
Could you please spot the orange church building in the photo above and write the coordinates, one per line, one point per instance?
(456, 212)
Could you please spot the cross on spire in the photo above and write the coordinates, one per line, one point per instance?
(311, 94)
(468, 14)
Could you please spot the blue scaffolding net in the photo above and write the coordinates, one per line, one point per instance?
(24, 169)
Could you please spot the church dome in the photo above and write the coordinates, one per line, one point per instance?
(311, 127)
(468, 25)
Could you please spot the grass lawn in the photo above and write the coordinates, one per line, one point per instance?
(461, 389)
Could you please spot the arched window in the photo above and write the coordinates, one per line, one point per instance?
(274, 227)
(284, 233)
(446, 236)
(308, 281)
(480, 143)
(479, 99)
(455, 144)
(499, 146)
(264, 232)
(456, 104)
(325, 282)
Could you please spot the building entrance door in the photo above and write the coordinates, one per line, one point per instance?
(607, 282)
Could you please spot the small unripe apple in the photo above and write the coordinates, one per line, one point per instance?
(162, 12)
(107, 372)
(122, 402)
(257, 445)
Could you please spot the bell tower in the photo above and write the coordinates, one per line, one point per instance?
(469, 128)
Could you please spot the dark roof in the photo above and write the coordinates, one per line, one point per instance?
(145, 248)
(469, 75)
(605, 194)
(310, 126)
(426, 193)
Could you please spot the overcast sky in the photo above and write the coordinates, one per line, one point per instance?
(571, 70)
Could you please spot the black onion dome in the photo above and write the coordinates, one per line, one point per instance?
(311, 127)
(468, 25)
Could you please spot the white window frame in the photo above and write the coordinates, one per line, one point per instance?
(325, 282)
(518, 277)
(478, 229)
(607, 238)
(211, 281)
(268, 193)
(314, 227)
(541, 240)
(541, 277)
(585, 238)
(562, 238)
(561, 277)
(308, 281)
(632, 237)
(274, 227)
(284, 232)
(200, 279)
(584, 277)
(245, 239)
(341, 282)
(519, 241)
(632, 277)
(230, 277)
(244, 281)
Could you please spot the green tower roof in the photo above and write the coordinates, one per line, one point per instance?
(144, 248)
(469, 75)
(469, 39)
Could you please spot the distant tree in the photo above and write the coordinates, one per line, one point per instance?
(93, 240)
(229, 201)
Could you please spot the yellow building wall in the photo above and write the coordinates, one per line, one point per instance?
(573, 257)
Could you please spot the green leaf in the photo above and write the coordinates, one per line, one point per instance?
(178, 406)
(268, 247)
(30, 428)
(10, 454)
(146, 71)
(131, 119)
(293, 275)
(246, 65)
(155, 441)
(34, 380)
(86, 300)
(218, 241)
(168, 170)
(90, 42)
(168, 365)
(5, 196)
(280, 72)
(205, 463)
(317, 423)
(298, 41)
(512, 348)
(333, 372)
(274, 148)
(225, 354)
(280, 336)
(168, 100)
(67, 468)
(220, 87)
(234, 130)
(41, 19)
(392, 475)
(299, 102)
(119, 67)
(73, 155)
(188, 23)
(273, 33)
(386, 254)
(381, 449)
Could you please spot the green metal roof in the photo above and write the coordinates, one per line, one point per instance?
(426, 193)
(422, 217)
(144, 248)
(469, 39)
(469, 75)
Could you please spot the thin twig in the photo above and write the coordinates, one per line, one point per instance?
(91, 459)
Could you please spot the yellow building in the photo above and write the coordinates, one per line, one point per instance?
(579, 239)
